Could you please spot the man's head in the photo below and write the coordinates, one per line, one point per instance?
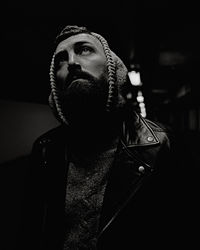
(85, 75)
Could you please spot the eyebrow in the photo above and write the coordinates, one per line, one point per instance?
(76, 44)
(82, 42)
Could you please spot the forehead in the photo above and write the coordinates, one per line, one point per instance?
(79, 38)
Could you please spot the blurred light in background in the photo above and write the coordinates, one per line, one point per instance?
(140, 100)
(135, 78)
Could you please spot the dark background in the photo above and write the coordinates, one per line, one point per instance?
(160, 38)
(136, 32)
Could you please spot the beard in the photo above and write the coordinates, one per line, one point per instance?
(84, 100)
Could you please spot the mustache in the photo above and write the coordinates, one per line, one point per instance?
(76, 75)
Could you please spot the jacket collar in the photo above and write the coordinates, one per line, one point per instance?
(137, 132)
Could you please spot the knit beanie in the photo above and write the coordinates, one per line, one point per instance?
(117, 73)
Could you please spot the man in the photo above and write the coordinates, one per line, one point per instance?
(100, 179)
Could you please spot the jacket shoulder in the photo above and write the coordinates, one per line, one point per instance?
(52, 135)
(158, 127)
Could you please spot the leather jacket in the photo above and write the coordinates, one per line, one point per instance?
(136, 208)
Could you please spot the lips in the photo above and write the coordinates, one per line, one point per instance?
(75, 77)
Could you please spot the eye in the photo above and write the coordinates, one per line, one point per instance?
(60, 58)
(84, 50)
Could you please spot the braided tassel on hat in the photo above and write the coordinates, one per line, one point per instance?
(54, 97)
(111, 72)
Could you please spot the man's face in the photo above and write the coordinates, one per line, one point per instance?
(81, 73)
(83, 52)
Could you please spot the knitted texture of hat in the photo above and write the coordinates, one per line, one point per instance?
(117, 72)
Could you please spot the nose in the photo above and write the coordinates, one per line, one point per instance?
(73, 63)
(72, 59)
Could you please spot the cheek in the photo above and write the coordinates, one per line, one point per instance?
(61, 75)
(97, 68)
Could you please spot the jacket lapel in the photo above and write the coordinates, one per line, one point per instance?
(131, 167)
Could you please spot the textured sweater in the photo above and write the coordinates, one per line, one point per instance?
(86, 184)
